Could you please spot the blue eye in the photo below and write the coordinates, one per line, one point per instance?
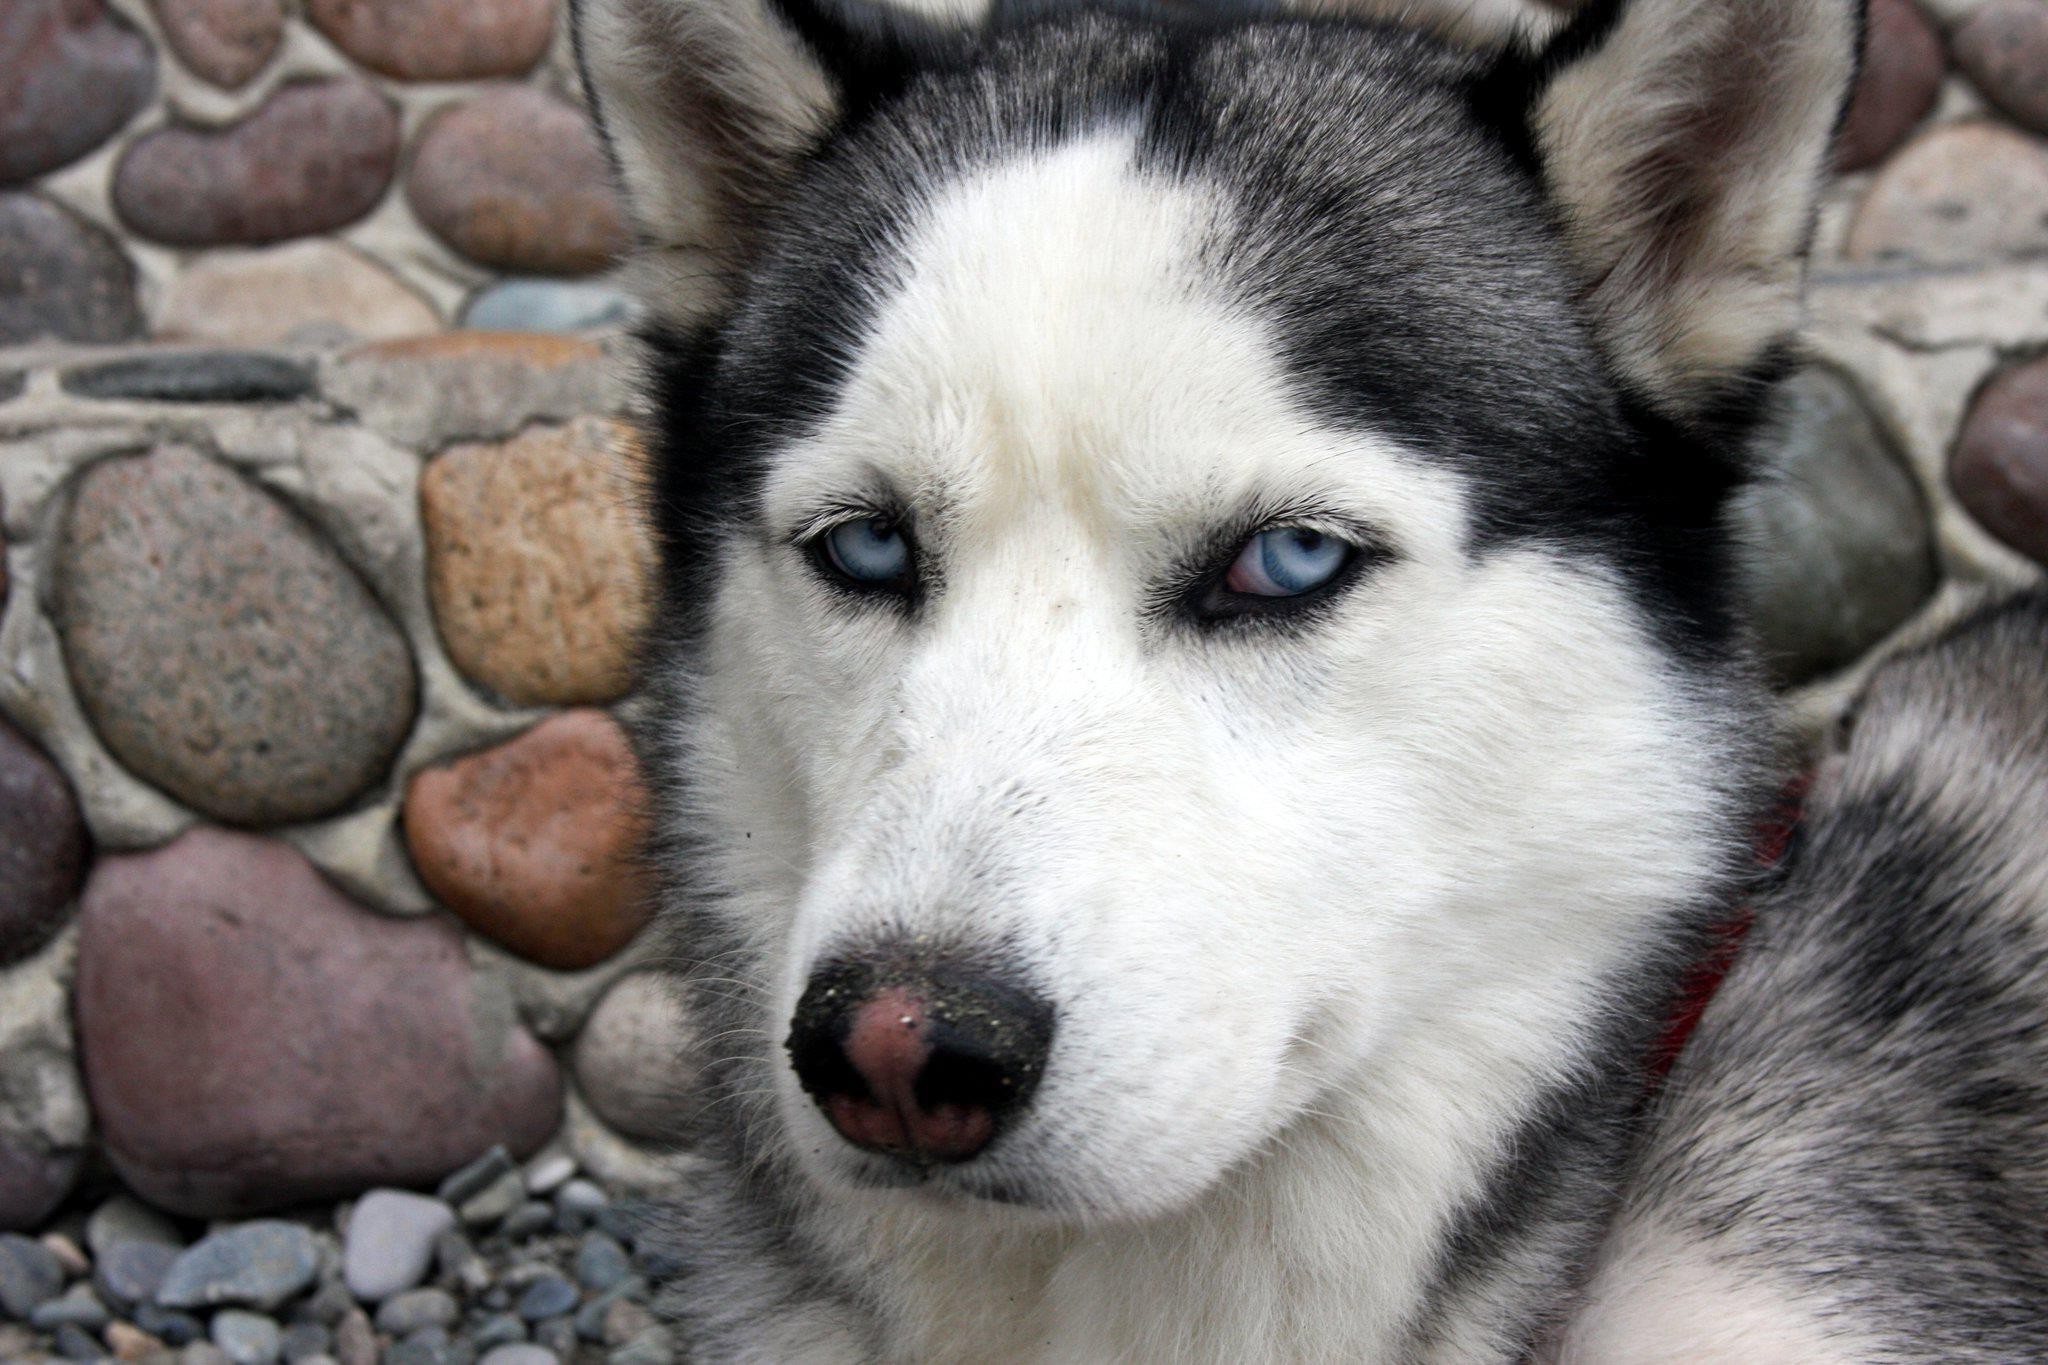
(870, 551)
(1287, 562)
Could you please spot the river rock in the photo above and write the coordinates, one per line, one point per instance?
(226, 41)
(538, 563)
(1963, 193)
(253, 1039)
(535, 842)
(638, 1061)
(43, 846)
(390, 1242)
(424, 392)
(517, 180)
(438, 40)
(257, 1265)
(2000, 467)
(318, 290)
(278, 687)
(61, 278)
(71, 76)
(314, 157)
(2003, 48)
(1903, 64)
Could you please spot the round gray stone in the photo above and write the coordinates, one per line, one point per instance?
(417, 1309)
(132, 1272)
(542, 305)
(124, 1218)
(247, 1338)
(256, 1265)
(390, 1242)
(519, 1353)
(278, 687)
(1840, 548)
(30, 1275)
(61, 278)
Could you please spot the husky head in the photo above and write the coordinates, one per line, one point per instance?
(1195, 584)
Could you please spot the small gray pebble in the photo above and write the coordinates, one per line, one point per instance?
(529, 1219)
(124, 1218)
(248, 1338)
(326, 1306)
(499, 1329)
(580, 1196)
(558, 1336)
(457, 1263)
(494, 1202)
(520, 1354)
(355, 1341)
(404, 1314)
(550, 1173)
(256, 1265)
(30, 1275)
(129, 1273)
(78, 1308)
(169, 1326)
(203, 1353)
(497, 1298)
(430, 1346)
(601, 1263)
(304, 1340)
(548, 1297)
(75, 1343)
(390, 1243)
(478, 1175)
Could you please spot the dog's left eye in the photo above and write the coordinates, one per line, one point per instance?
(1287, 561)
(871, 553)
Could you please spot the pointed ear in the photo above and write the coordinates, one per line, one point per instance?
(708, 106)
(1684, 143)
(1485, 25)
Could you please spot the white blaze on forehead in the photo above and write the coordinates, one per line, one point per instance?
(1060, 333)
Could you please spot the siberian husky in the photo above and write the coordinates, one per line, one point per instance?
(1204, 718)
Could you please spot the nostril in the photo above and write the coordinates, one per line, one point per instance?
(924, 1063)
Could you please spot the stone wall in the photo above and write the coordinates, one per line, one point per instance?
(315, 640)
(267, 171)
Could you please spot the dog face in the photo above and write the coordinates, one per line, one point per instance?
(1196, 597)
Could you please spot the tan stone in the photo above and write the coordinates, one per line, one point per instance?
(538, 562)
(535, 843)
(1964, 193)
(639, 1062)
(426, 391)
(296, 292)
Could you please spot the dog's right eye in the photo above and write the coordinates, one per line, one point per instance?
(869, 553)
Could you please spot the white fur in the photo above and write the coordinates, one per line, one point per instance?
(1319, 912)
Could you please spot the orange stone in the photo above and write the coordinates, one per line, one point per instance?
(539, 562)
(535, 843)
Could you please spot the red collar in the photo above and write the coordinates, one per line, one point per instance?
(1774, 836)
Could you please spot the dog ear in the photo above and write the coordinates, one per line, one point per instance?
(1485, 25)
(708, 106)
(1684, 143)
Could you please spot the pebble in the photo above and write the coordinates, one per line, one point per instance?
(329, 1303)
(206, 1353)
(539, 568)
(498, 1329)
(257, 1265)
(390, 1242)
(124, 1218)
(649, 1348)
(494, 1202)
(129, 1342)
(226, 42)
(43, 846)
(75, 1343)
(343, 1045)
(73, 74)
(30, 1275)
(624, 1322)
(519, 1354)
(550, 1296)
(168, 1325)
(2003, 49)
(268, 296)
(549, 1173)
(78, 1306)
(458, 1262)
(132, 1272)
(516, 180)
(557, 1335)
(529, 1218)
(192, 377)
(246, 1338)
(638, 1061)
(438, 40)
(68, 1253)
(534, 843)
(61, 277)
(315, 156)
(1903, 64)
(1844, 550)
(1959, 194)
(582, 1198)
(542, 305)
(1999, 470)
(279, 687)
(355, 1340)
(601, 1263)
(404, 1314)
(304, 1340)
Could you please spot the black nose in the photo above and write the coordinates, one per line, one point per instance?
(920, 1060)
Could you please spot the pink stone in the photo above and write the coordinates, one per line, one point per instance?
(253, 1039)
